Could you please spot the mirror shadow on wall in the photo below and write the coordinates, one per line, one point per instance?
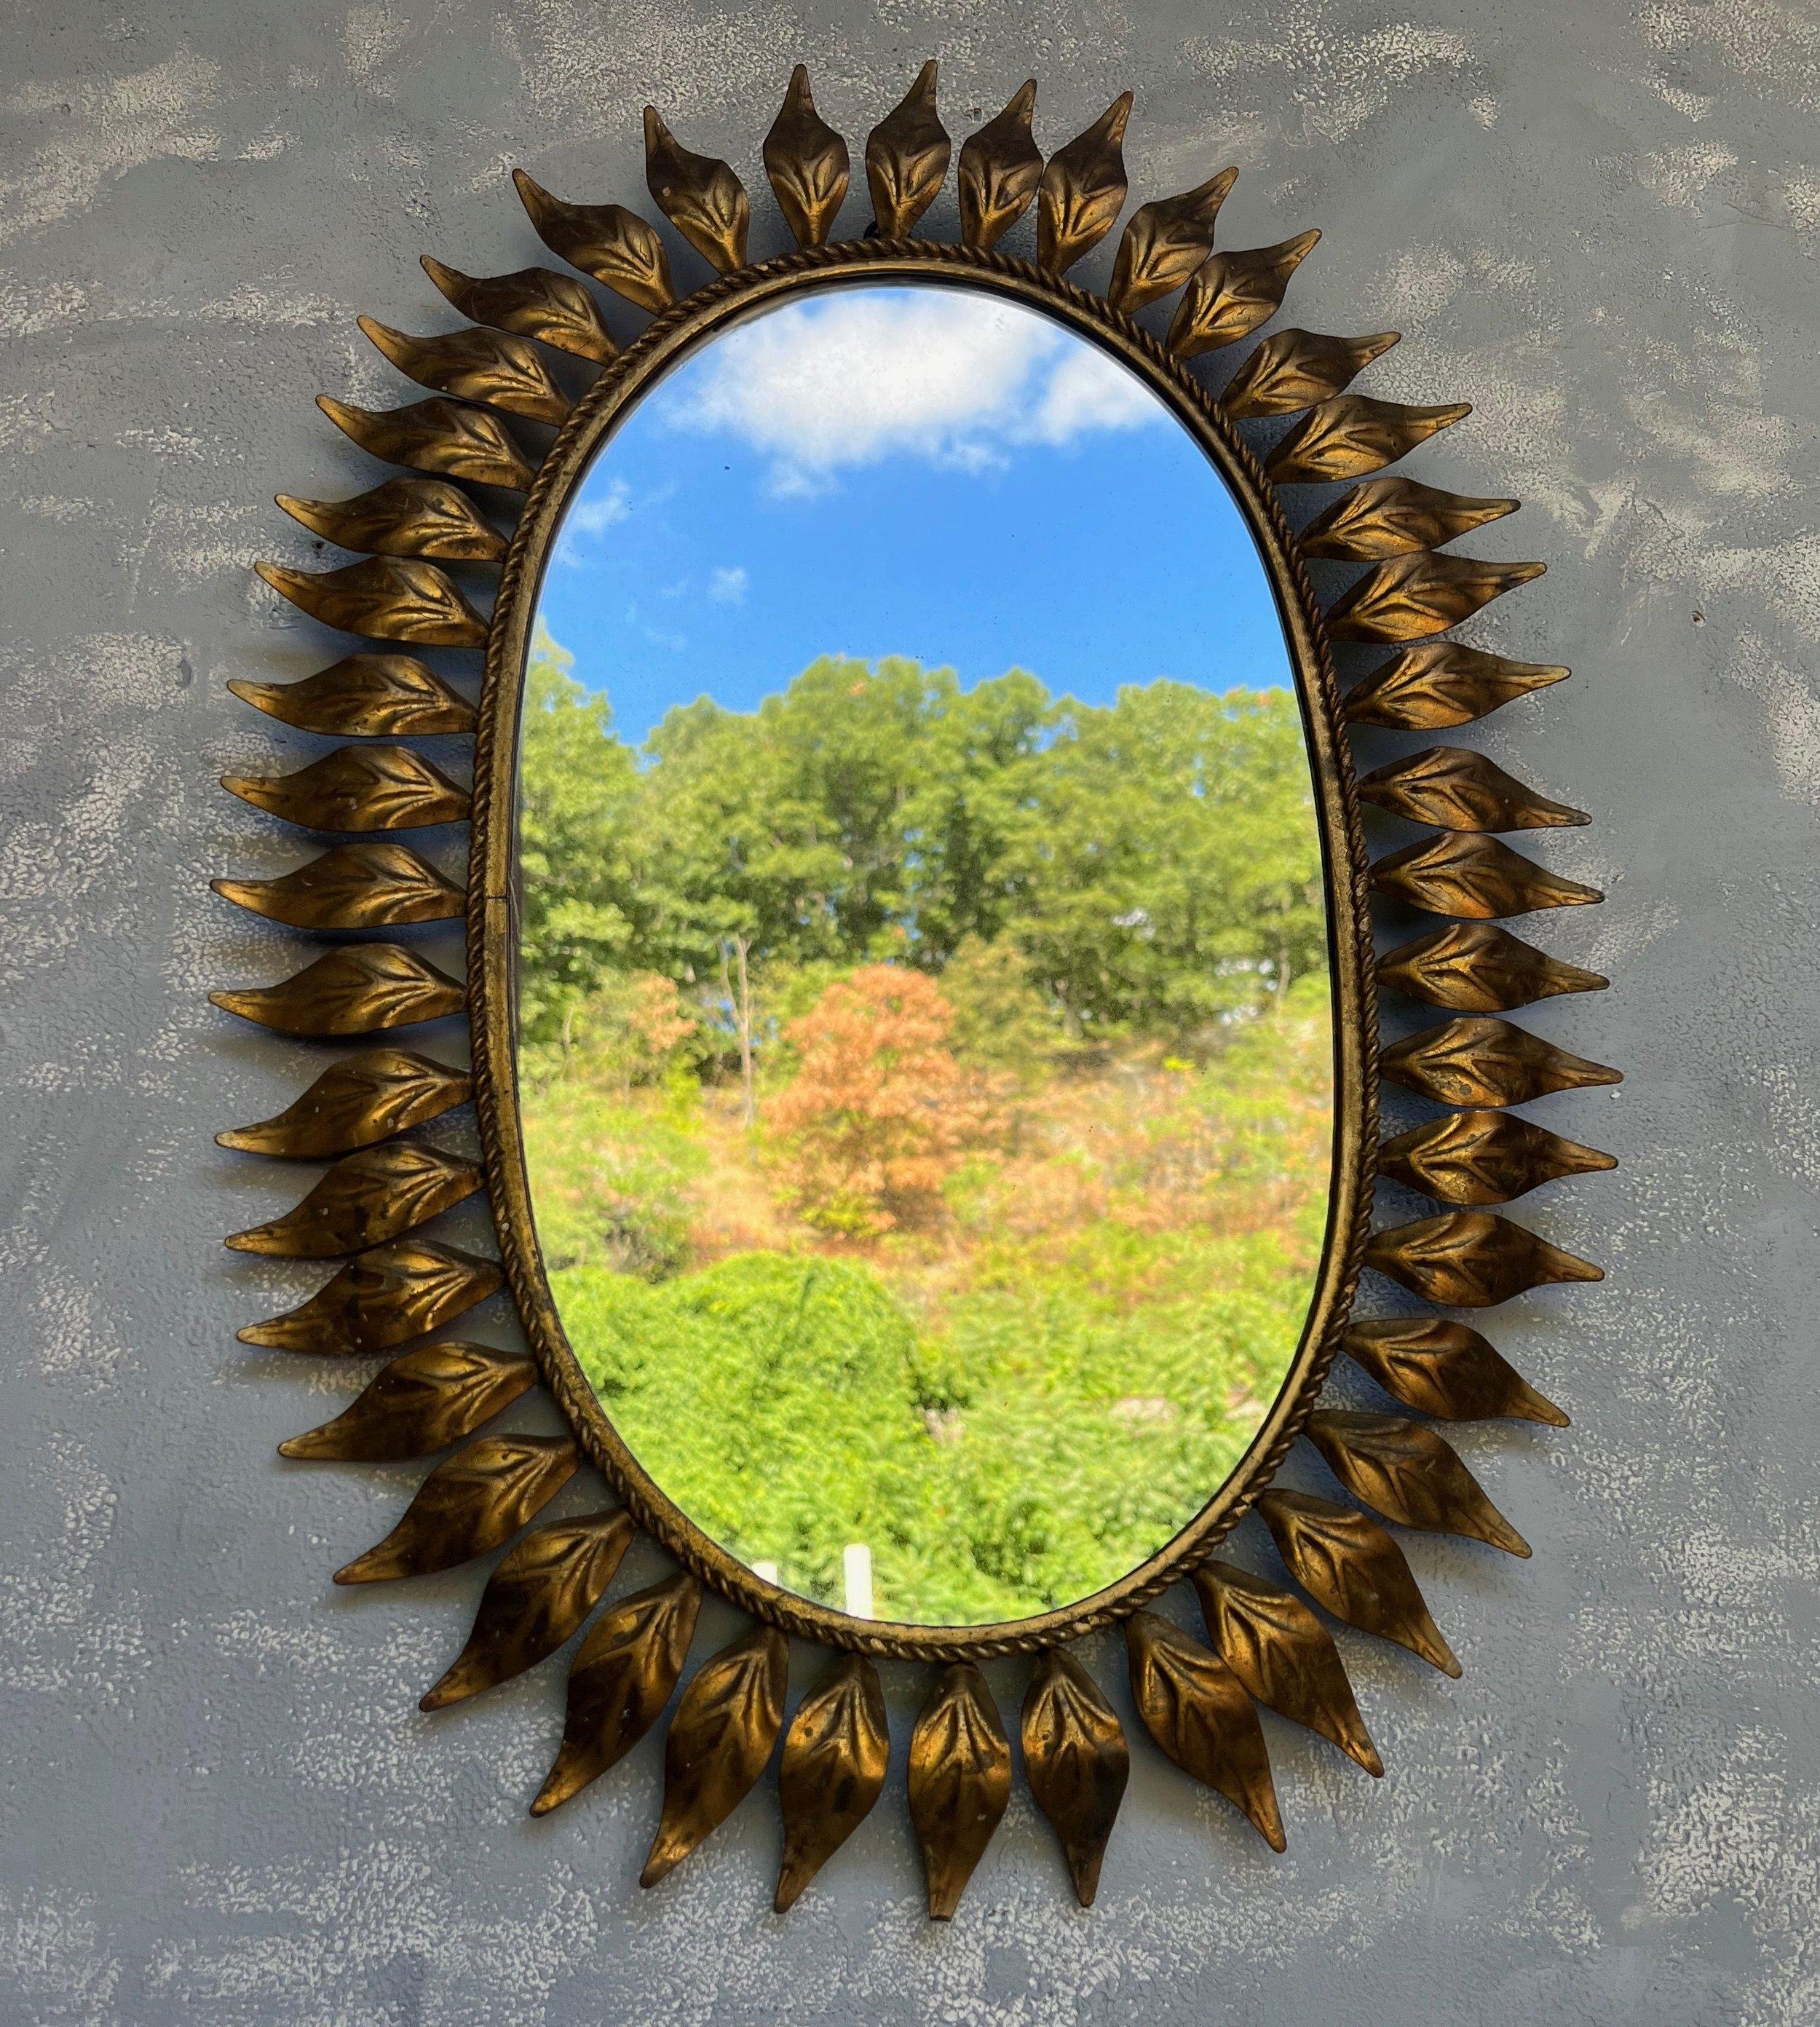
(925, 1049)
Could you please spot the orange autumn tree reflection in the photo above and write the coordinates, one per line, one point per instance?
(880, 1112)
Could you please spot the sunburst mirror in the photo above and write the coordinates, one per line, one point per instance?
(920, 980)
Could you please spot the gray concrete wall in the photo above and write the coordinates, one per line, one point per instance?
(1598, 222)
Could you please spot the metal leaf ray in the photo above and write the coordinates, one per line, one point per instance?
(832, 1771)
(807, 164)
(1196, 1709)
(960, 1782)
(906, 159)
(369, 696)
(1279, 1650)
(619, 1681)
(700, 195)
(1000, 168)
(1229, 295)
(540, 1592)
(719, 1743)
(1083, 191)
(1077, 1762)
(534, 302)
(425, 1399)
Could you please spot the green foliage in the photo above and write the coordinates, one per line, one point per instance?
(979, 1224)
(612, 1180)
(1002, 1020)
(1012, 1425)
(773, 1397)
(1151, 866)
(1168, 859)
(579, 890)
(629, 1027)
(864, 804)
(793, 1405)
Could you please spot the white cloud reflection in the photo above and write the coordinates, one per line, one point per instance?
(591, 515)
(956, 378)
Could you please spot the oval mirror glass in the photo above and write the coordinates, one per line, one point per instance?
(925, 1044)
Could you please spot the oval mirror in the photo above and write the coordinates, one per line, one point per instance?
(925, 1034)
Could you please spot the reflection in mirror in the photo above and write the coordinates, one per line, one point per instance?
(925, 1057)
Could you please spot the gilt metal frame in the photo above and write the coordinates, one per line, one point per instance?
(491, 953)
(1266, 1644)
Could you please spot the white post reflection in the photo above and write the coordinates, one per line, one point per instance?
(856, 1575)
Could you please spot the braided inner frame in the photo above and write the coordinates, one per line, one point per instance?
(492, 953)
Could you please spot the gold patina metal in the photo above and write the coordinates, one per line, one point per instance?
(395, 1294)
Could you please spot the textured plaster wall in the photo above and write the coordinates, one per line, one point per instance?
(1599, 222)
